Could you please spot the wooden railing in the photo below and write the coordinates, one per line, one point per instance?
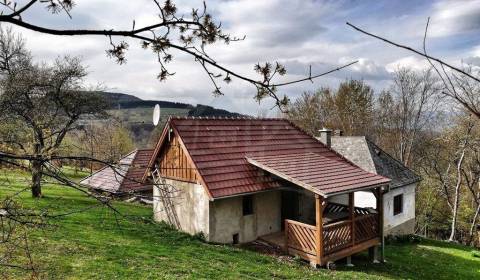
(336, 207)
(366, 227)
(336, 237)
(300, 237)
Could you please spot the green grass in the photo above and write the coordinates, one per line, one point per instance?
(92, 245)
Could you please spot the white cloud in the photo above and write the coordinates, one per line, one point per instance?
(455, 17)
(415, 63)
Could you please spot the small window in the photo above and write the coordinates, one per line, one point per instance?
(247, 205)
(397, 204)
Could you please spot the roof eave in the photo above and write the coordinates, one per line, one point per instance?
(285, 177)
(380, 185)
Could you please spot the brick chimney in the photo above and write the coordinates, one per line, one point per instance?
(326, 136)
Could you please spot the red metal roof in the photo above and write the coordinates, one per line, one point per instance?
(317, 173)
(133, 178)
(219, 149)
(126, 176)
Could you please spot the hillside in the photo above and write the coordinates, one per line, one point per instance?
(91, 244)
(136, 114)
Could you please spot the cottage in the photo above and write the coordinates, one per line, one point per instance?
(399, 201)
(123, 179)
(237, 180)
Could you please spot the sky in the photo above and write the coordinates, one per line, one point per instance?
(296, 33)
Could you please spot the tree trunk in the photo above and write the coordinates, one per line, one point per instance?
(36, 179)
(473, 225)
(457, 194)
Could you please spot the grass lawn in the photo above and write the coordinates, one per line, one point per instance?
(92, 245)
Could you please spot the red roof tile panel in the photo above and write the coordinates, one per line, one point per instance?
(325, 181)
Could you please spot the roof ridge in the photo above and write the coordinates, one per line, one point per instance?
(225, 118)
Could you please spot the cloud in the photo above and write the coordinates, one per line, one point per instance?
(413, 62)
(268, 23)
(455, 17)
(365, 69)
(473, 60)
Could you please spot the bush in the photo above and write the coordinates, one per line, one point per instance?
(403, 239)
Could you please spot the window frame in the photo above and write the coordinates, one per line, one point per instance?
(247, 205)
(398, 208)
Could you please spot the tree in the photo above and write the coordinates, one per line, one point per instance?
(451, 162)
(46, 100)
(307, 111)
(349, 108)
(352, 107)
(407, 109)
(172, 32)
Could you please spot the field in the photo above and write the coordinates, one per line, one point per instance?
(94, 244)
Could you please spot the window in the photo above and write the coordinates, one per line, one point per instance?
(397, 204)
(247, 205)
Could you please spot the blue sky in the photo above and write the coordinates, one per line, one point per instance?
(295, 33)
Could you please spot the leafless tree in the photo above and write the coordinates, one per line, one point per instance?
(409, 107)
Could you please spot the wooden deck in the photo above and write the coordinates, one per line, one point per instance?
(337, 239)
(275, 239)
(333, 237)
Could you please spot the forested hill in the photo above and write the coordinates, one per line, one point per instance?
(136, 115)
(127, 101)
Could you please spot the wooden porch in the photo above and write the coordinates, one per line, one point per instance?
(340, 231)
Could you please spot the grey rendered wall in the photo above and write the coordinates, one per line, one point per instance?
(191, 204)
(226, 218)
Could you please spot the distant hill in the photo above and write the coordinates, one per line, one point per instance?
(208, 111)
(127, 101)
(136, 114)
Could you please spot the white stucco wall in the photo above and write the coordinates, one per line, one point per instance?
(226, 218)
(191, 205)
(362, 199)
(401, 223)
(408, 214)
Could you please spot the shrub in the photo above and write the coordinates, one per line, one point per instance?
(403, 239)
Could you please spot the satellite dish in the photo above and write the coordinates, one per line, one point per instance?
(156, 115)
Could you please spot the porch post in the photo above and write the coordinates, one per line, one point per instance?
(319, 227)
(380, 219)
(351, 207)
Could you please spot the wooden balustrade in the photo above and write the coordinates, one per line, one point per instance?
(336, 236)
(333, 207)
(366, 227)
(300, 237)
